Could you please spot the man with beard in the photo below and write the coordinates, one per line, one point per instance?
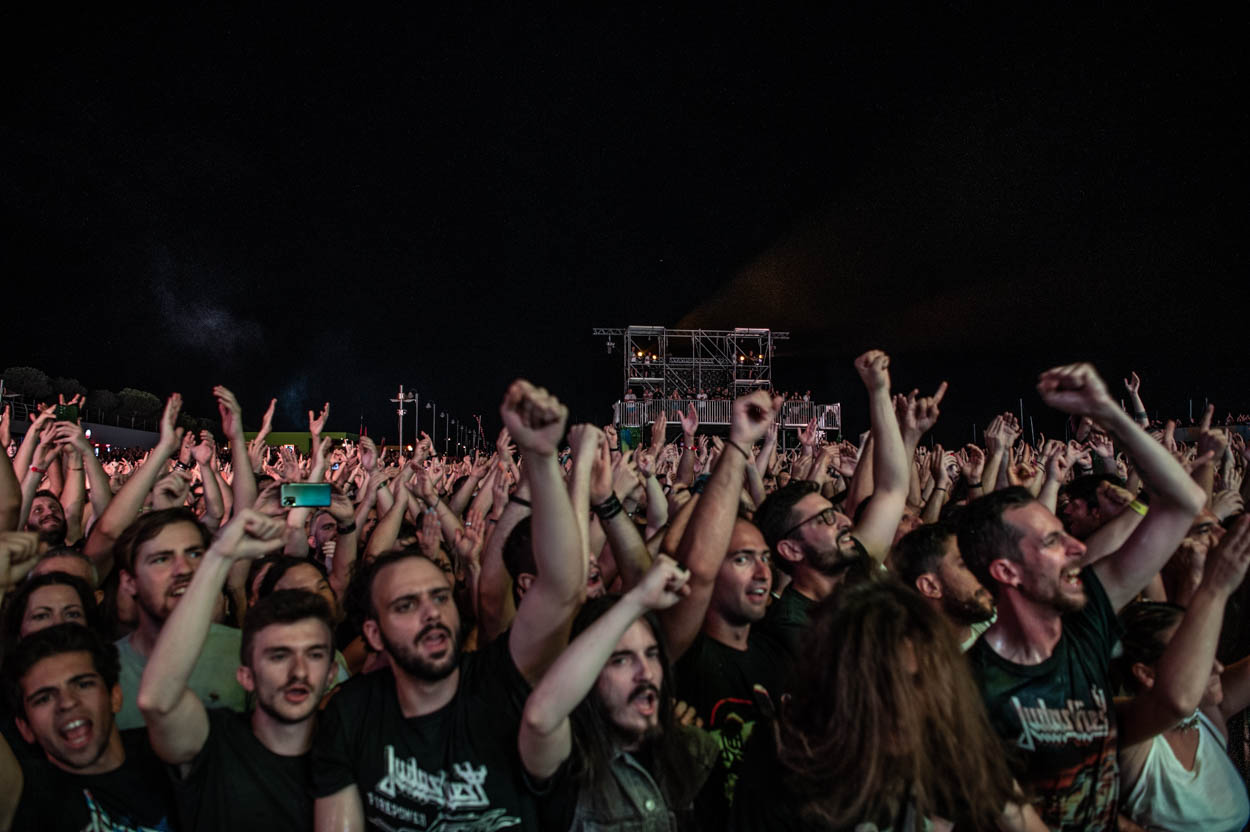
(157, 555)
(62, 687)
(1044, 665)
(928, 559)
(234, 770)
(431, 742)
(817, 544)
(722, 657)
(610, 694)
(47, 519)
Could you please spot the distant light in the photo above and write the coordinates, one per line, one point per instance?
(410, 447)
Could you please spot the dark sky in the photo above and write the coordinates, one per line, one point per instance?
(321, 208)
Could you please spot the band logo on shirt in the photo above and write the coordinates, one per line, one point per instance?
(1076, 721)
(101, 821)
(407, 778)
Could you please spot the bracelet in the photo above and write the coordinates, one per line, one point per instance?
(39, 470)
(609, 508)
(738, 448)
(519, 501)
(182, 466)
(348, 529)
(974, 485)
(940, 488)
(1140, 508)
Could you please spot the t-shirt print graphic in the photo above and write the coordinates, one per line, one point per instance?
(460, 797)
(1076, 722)
(102, 821)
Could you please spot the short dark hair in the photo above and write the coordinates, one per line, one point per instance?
(149, 525)
(258, 566)
(43, 492)
(16, 609)
(984, 536)
(285, 606)
(54, 641)
(518, 554)
(1086, 487)
(280, 567)
(775, 516)
(1143, 622)
(920, 550)
(363, 592)
(71, 552)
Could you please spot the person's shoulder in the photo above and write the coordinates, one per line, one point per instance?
(223, 633)
(365, 686)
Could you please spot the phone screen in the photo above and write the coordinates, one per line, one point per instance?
(301, 494)
(66, 413)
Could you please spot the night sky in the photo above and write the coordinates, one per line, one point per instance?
(322, 208)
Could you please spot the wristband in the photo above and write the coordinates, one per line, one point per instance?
(940, 488)
(519, 501)
(182, 466)
(974, 485)
(738, 448)
(348, 529)
(1138, 507)
(39, 470)
(609, 508)
(1141, 414)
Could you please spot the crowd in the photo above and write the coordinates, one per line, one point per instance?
(570, 633)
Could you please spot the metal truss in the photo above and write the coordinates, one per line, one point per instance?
(685, 361)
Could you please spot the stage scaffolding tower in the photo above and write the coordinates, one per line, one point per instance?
(689, 360)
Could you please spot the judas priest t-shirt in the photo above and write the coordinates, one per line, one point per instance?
(1058, 716)
(457, 768)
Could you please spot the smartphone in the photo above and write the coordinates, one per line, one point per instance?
(66, 413)
(310, 494)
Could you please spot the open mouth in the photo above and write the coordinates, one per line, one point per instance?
(436, 640)
(296, 694)
(1072, 577)
(646, 703)
(757, 594)
(76, 733)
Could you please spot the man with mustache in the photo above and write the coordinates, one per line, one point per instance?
(610, 695)
(234, 770)
(431, 742)
(157, 555)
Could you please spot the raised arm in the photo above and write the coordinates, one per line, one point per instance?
(629, 550)
(1076, 388)
(1133, 385)
(546, 739)
(890, 458)
(1181, 675)
(243, 483)
(706, 538)
(10, 487)
(128, 502)
(536, 420)
(175, 716)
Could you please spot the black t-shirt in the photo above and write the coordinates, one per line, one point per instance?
(235, 783)
(787, 618)
(719, 683)
(457, 768)
(1059, 718)
(135, 796)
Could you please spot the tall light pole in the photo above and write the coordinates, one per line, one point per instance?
(402, 399)
(433, 405)
(446, 437)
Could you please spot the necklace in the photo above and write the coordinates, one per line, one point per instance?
(1189, 723)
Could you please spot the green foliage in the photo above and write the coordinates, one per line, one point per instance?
(29, 382)
(134, 402)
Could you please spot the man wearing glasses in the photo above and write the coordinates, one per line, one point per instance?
(817, 545)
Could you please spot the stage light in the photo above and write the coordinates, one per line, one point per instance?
(742, 358)
(410, 447)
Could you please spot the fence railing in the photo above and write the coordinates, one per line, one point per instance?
(637, 414)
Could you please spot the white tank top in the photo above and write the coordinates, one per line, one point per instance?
(1212, 797)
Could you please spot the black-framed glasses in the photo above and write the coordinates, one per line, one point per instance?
(828, 516)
